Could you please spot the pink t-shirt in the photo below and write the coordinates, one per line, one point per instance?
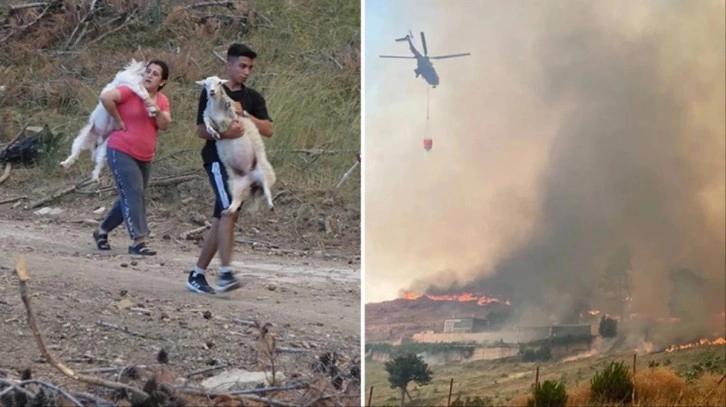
(139, 139)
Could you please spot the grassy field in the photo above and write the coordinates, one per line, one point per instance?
(308, 69)
(661, 379)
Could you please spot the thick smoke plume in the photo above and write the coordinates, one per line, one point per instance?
(629, 170)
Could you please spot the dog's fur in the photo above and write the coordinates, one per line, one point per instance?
(244, 157)
(94, 135)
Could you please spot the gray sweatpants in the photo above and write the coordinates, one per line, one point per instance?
(132, 178)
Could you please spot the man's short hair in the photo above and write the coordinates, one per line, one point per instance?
(240, 50)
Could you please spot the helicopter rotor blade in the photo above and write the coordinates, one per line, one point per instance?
(450, 56)
(423, 42)
(396, 56)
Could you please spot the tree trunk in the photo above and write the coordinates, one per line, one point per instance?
(403, 395)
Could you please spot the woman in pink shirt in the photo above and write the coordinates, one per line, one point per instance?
(131, 149)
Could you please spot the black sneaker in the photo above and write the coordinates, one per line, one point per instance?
(227, 282)
(198, 284)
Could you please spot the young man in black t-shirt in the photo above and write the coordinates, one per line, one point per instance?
(249, 103)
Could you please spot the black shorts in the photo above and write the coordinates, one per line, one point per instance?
(218, 179)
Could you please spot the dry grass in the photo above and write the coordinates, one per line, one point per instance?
(510, 382)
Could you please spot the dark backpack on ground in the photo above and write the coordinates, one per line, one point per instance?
(28, 149)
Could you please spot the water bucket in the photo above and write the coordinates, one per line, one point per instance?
(428, 144)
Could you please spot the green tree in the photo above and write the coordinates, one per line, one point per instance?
(405, 369)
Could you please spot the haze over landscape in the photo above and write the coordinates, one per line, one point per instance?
(572, 131)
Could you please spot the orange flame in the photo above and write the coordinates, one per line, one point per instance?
(464, 297)
(700, 342)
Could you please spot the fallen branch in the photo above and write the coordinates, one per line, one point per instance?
(58, 194)
(124, 24)
(257, 243)
(347, 174)
(122, 329)
(227, 4)
(333, 59)
(144, 311)
(17, 7)
(243, 322)
(281, 349)
(23, 278)
(159, 182)
(262, 390)
(312, 151)
(221, 58)
(6, 174)
(188, 233)
(13, 386)
(206, 370)
(203, 393)
(172, 154)
(32, 23)
(54, 195)
(53, 387)
(99, 402)
(83, 23)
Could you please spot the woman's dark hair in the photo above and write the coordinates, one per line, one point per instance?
(164, 70)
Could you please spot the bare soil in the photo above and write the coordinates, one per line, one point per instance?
(301, 277)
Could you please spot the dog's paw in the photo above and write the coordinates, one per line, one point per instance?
(66, 163)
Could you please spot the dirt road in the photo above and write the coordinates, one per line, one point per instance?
(77, 291)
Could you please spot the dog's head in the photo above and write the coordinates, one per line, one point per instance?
(136, 68)
(213, 86)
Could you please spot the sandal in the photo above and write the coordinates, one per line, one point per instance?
(101, 240)
(141, 249)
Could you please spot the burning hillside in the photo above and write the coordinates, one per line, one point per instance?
(480, 300)
(389, 320)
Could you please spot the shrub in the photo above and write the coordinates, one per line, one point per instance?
(469, 402)
(612, 384)
(708, 363)
(550, 394)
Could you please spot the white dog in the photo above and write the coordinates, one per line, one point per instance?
(94, 135)
(244, 157)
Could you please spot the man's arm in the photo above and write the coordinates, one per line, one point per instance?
(264, 126)
(260, 116)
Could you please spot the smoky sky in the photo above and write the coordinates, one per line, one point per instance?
(582, 129)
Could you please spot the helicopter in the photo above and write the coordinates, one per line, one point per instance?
(425, 67)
